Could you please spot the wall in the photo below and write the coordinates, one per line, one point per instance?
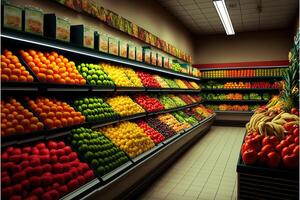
(243, 47)
(146, 14)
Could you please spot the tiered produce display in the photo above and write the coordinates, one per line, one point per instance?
(241, 85)
(70, 125)
(236, 96)
(272, 138)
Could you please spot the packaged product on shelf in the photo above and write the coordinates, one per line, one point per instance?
(135, 30)
(103, 43)
(56, 27)
(131, 51)
(113, 46)
(170, 63)
(123, 49)
(82, 35)
(139, 54)
(159, 60)
(34, 20)
(153, 57)
(147, 56)
(166, 62)
(12, 17)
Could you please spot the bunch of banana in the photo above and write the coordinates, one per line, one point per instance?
(269, 123)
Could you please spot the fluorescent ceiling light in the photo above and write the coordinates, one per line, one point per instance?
(224, 16)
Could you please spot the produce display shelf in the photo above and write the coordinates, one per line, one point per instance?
(24, 39)
(246, 77)
(171, 90)
(253, 67)
(235, 101)
(55, 133)
(83, 190)
(266, 183)
(146, 154)
(130, 89)
(232, 112)
(240, 89)
(121, 185)
(114, 173)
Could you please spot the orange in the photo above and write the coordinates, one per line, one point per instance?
(77, 120)
(34, 120)
(40, 125)
(13, 78)
(25, 73)
(14, 122)
(72, 63)
(3, 126)
(9, 124)
(46, 108)
(70, 121)
(29, 78)
(31, 52)
(18, 65)
(3, 64)
(57, 123)
(49, 71)
(38, 111)
(61, 81)
(3, 115)
(82, 81)
(51, 58)
(25, 111)
(25, 122)
(58, 60)
(5, 110)
(50, 78)
(61, 57)
(19, 129)
(66, 115)
(41, 77)
(43, 116)
(28, 59)
(10, 117)
(59, 108)
(54, 54)
(12, 108)
(6, 71)
(51, 115)
(20, 108)
(49, 123)
(82, 118)
(10, 131)
(23, 79)
(65, 60)
(28, 115)
(43, 70)
(64, 121)
(62, 70)
(36, 70)
(4, 77)
(16, 72)
(33, 127)
(58, 115)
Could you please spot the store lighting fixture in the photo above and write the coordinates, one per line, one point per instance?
(224, 16)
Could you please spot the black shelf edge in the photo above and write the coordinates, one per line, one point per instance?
(238, 89)
(145, 154)
(246, 68)
(139, 115)
(85, 189)
(34, 40)
(236, 101)
(233, 112)
(246, 77)
(130, 89)
(170, 139)
(114, 173)
(171, 90)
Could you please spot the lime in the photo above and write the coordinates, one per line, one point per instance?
(89, 77)
(95, 77)
(93, 82)
(82, 64)
(99, 82)
(101, 170)
(91, 72)
(84, 69)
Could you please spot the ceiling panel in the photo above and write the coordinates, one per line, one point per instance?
(200, 16)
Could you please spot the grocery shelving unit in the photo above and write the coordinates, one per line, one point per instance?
(238, 117)
(128, 178)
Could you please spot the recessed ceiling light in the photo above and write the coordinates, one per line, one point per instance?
(224, 16)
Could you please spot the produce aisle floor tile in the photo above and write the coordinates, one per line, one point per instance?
(206, 171)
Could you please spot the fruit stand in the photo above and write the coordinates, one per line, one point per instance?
(268, 165)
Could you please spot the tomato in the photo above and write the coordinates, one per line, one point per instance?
(290, 161)
(249, 157)
(258, 138)
(267, 148)
(294, 110)
(266, 141)
(296, 140)
(261, 157)
(273, 159)
(286, 151)
(290, 139)
(296, 150)
(279, 147)
(296, 132)
(274, 140)
(292, 146)
(284, 143)
(287, 126)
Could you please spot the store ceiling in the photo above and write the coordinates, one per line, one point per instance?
(201, 17)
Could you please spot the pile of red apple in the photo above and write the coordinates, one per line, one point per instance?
(270, 151)
(148, 80)
(185, 98)
(45, 171)
(150, 104)
(155, 136)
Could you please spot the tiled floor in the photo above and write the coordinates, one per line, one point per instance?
(206, 171)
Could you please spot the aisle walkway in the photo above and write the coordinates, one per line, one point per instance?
(206, 171)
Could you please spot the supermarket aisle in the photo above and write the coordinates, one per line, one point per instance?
(206, 171)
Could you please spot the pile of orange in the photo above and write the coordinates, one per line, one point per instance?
(12, 69)
(52, 68)
(54, 113)
(15, 119)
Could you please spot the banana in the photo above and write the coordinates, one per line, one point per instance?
(293, 122)
(288, 116)
(247, 125)
(269, 129)
(261, 128)
(256, 121)
(264, 119)
(279, 129)
(278, 116)
(279, 121)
